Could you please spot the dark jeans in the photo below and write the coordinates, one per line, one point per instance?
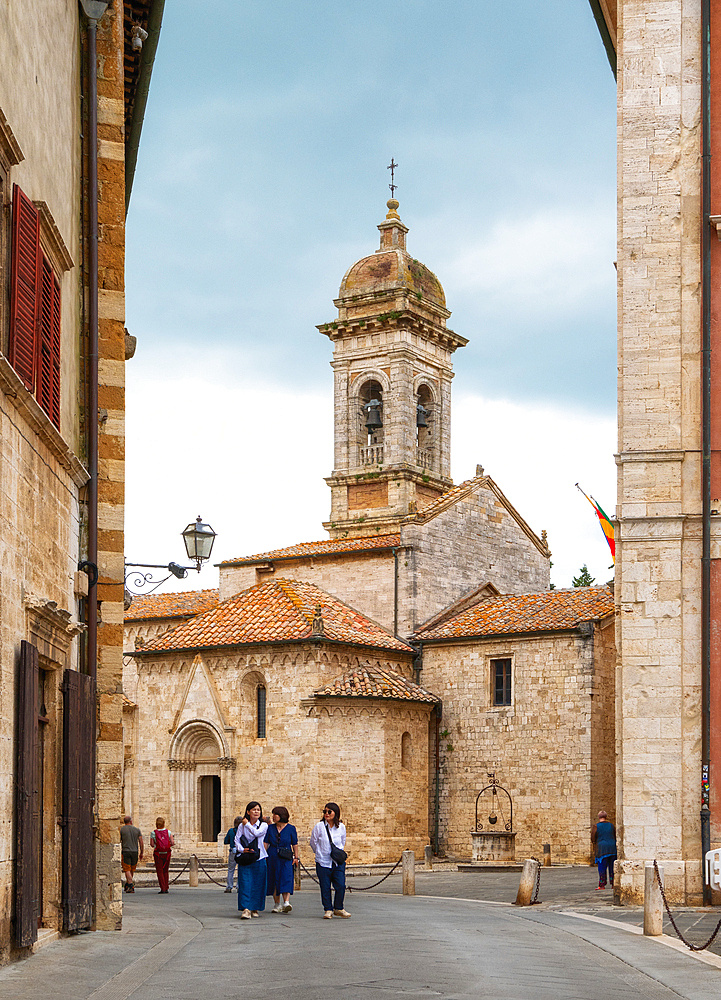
(606, 865)
(328, 877)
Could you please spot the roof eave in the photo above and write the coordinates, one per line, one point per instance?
(525, 634)
(303, 640)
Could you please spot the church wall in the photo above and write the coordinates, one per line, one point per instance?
(473, 541)
(199, 713)
(549, 748)
(365, 582)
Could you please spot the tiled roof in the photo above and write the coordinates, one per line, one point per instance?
(180, 605)
(512, 613)
(374, 682)
(451, 496)
(328, 546)
(276, 611)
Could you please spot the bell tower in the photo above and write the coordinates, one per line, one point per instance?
(392, 362)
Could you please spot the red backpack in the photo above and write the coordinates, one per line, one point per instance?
(162, 840)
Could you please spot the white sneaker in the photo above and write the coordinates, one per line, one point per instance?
(245, 915)
(328, 915)
(254, 913)
(278, 908)
(341, 913)
(286, 908)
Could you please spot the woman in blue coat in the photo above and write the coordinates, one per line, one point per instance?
(251, 877)
(281, 843)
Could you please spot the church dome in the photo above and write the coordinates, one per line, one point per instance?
(392, 267)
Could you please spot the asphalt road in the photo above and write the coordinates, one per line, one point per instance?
(191, 945)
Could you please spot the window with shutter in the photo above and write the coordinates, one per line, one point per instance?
(24, 287)
(34, 350)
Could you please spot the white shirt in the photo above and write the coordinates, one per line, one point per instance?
(320, 844)
(249, 832)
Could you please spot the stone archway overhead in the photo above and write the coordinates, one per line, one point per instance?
(199, 741)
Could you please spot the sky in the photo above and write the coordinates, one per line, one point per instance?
(262, 177)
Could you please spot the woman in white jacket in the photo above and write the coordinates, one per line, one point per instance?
(330, 874)
(252, 878)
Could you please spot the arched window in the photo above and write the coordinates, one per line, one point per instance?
(406, 751)
(425, 419)
(371, 420)
(261, 712)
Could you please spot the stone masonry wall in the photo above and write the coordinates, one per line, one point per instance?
(199, 713)
(540, 746)
(474, 541)
(659, 484)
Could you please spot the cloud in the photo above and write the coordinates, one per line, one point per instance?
(206, 437)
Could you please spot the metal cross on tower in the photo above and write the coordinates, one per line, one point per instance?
(392, 167)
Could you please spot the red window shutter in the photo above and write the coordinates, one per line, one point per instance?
(24, 287)
(48, 368)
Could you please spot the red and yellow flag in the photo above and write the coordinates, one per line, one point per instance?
(605, 522)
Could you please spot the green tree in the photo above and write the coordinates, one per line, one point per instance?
(584, 578)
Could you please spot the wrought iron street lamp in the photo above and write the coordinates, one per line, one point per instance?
(198, 538)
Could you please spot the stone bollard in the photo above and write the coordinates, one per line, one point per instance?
(527, 884)
(409, 873)
(546, 855)
(193, 872)
(428, 852)
(652, 902)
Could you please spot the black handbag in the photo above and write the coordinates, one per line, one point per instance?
(337, 855)
(286, 853)
(249, 854)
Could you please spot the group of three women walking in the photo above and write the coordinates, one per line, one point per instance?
(266, 853)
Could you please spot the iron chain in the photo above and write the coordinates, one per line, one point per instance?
(538, 882)
(693, 947)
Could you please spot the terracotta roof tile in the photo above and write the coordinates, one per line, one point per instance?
(277, 611)
(327, 546)
(511, 613)
(374, 682)
(180, 605)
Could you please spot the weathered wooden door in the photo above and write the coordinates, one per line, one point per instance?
(27, 846)
(78, 800)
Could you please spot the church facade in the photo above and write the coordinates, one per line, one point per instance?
(317, 671)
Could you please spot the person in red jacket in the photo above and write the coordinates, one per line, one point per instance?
(162, 841)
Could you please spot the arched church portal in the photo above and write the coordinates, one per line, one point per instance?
(200, 785)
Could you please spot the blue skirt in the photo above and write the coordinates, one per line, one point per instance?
(251, 885)
(280, 874)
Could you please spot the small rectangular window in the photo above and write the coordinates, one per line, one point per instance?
(501, 681)
(261, 712)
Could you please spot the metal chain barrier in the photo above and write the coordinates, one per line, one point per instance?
(187, 863)
(693, 947)
(358, 888)
(200, 865)
(538, 883)
(365, 888)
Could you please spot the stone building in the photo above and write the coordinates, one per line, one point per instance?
(667, 538)
(527, 687)
(61, 485)
(345, 715)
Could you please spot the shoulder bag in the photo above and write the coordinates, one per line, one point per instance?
(286, 853)
(337, 855)
(249, 854)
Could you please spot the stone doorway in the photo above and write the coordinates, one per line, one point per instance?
(209, 807)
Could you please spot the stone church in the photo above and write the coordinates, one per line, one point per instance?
(392, 665)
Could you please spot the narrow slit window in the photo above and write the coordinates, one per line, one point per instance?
(501, 681)
(261, 712)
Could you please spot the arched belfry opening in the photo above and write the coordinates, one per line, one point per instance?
(426, 428)
(371, 418)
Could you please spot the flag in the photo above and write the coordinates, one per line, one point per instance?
(605, 522)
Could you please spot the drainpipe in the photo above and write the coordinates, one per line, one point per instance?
(395, 592)
(438, 712)
(706, 436)
(94, 10)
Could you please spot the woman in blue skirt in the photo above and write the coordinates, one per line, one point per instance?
(252, 877)
(281, 841)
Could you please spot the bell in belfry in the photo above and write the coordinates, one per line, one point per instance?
(421, 416)
(373, 415)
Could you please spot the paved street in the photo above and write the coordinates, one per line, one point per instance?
(191, 945)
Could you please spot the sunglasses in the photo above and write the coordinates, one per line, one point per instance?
(329, 812)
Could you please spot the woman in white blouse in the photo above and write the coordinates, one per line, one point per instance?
(251, 878)
(330, 875)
